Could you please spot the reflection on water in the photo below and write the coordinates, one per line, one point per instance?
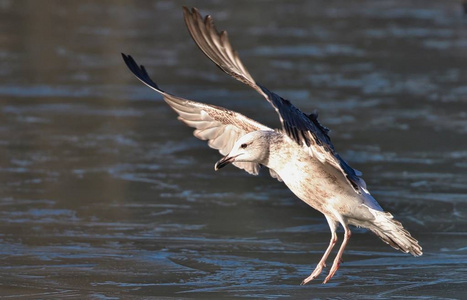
(105, 194)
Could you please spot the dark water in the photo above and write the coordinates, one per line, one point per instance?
(105, 195)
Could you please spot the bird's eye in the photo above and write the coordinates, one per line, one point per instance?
(243, 146)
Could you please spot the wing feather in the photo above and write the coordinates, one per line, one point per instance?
(304, 129)
(219, 126)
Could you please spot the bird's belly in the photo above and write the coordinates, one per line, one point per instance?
(324, 189)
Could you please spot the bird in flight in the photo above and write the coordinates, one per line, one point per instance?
(300, 154)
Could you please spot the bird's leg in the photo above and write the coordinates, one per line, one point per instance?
(322, 262)
(338, 259)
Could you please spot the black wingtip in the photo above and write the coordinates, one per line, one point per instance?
(127, 58)
(124, 56)
(139, 71)
(129, 61)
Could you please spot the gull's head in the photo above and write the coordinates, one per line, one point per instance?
(252, 147)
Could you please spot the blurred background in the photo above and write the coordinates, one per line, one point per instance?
(105, 195)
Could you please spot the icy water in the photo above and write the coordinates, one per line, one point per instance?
(105, 195)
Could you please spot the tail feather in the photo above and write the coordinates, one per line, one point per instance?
(393, 233)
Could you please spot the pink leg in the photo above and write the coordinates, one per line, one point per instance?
(322, 262)
(338, 259)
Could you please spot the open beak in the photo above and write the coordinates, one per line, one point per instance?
(224, 162)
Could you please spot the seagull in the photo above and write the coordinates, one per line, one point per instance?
(300, 154)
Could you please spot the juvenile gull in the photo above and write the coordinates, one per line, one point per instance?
(300, 154)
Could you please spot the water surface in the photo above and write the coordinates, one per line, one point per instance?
(106, 195)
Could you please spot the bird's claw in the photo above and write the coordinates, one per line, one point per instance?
(314, 274)
(334, 268)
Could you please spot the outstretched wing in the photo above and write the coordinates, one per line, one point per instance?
(304, 129)
(220, 126)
